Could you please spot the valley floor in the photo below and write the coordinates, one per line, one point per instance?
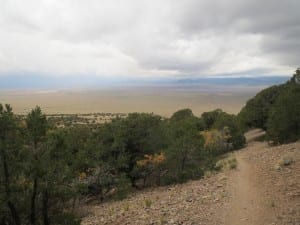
(264, 189)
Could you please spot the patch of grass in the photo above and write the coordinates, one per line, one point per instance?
(209, 173)
(111, 211)
(163, 220)
(126, 207)
(224, 194)
(219, 165)
(283, 162)
(286, 161)
(226, 164)
(148, 203)
(232, 163)
(273, 204)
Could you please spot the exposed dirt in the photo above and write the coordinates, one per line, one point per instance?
(263, 190)
(244, 206)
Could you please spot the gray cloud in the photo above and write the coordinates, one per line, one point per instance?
(277, 22)
(149, 38)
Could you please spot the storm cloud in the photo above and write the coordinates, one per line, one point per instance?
(139, 38)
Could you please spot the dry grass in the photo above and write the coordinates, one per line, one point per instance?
(227, 164)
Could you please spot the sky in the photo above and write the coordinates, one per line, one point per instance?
(153, 38)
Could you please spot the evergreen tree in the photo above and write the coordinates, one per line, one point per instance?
(10, 168)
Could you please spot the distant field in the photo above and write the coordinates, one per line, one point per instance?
(159, 100)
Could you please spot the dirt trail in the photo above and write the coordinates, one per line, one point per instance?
(261, 190)
(246, 205)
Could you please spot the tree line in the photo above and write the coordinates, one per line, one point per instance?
(45, 169)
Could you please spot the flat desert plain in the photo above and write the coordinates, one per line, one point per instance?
(159, 100)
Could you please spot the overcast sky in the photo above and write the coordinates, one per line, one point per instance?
(153, 38)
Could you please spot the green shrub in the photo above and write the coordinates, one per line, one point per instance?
(209, 118)
(63, 218)
(284, 118)
(225, 120)
(255, 113)
(181, 115)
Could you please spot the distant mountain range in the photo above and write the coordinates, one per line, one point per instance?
(62, 82)
(264, 80)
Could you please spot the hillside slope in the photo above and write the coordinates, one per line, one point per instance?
(262, 190)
